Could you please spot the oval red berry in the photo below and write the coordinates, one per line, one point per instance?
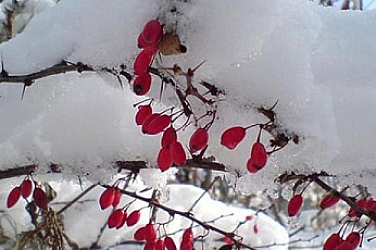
(115, 218)
(328, 201)
(157, 125)
(143, 61)
(148, 121)
(294, 205)
(168, 137)
(178, 153)
(133, 218)
(164, 159)
(354, 239)
(159, 245)
(139, 235)
(169, 243)
(142, 84)
(150, 233)
(107, 198)
(151, 35)
(231, 137)
(198, 140)
(40, 198)
(143, 112)
(26, 188)
(258, 155)
(13, 197)
(117, 197)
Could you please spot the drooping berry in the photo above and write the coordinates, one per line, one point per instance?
(117, 197)
(40, 198)
(188, 235)
(142, 84)
(122, 223)
(139, 235)
(168, 137)
(164, 159)
(159, 245)
(148, 121)
(157, 125)
(354, 239)
(107, 198)
(294, 205)
(143, 112)
(115, 218)
(26, 188)
(328, 201)
(150, 233)
(231, 137)
(198, 140)
(332, 242)
(258, 154)
(133, 218)
(13, 197)
(178, 153)
(151, 35)
(143, 61)
(169, 243)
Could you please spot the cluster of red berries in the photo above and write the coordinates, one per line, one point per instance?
(335, 242)
(365, 204)
(148, 233)
(231, 137)
(148, 41)
(119, 217)
(25, 190)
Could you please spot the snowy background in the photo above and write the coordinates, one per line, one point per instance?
(317, 62)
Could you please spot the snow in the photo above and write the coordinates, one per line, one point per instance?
(317, 62)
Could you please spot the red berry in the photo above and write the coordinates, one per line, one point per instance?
(148, 121)
(231, 137)
(159, 245)
(142, 84)
(143, 112)
(40, 198)
(117, 197)
(139, 235)
(255, 229)
(13, 197)
(188, 235)
(332, 242)
(151, 34)
(258, 154)
(115, 218)
(198, 140)
(121, 224)
(169, 243)
(133, 218)
(354, 239)
(164, 159)
(107, 198)
(168, 137)
(295, 205)
(143, 61)
(150, 233)
(157, 125)
(328, 201)
(26, 188)
(178, 153)
(149, 246)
